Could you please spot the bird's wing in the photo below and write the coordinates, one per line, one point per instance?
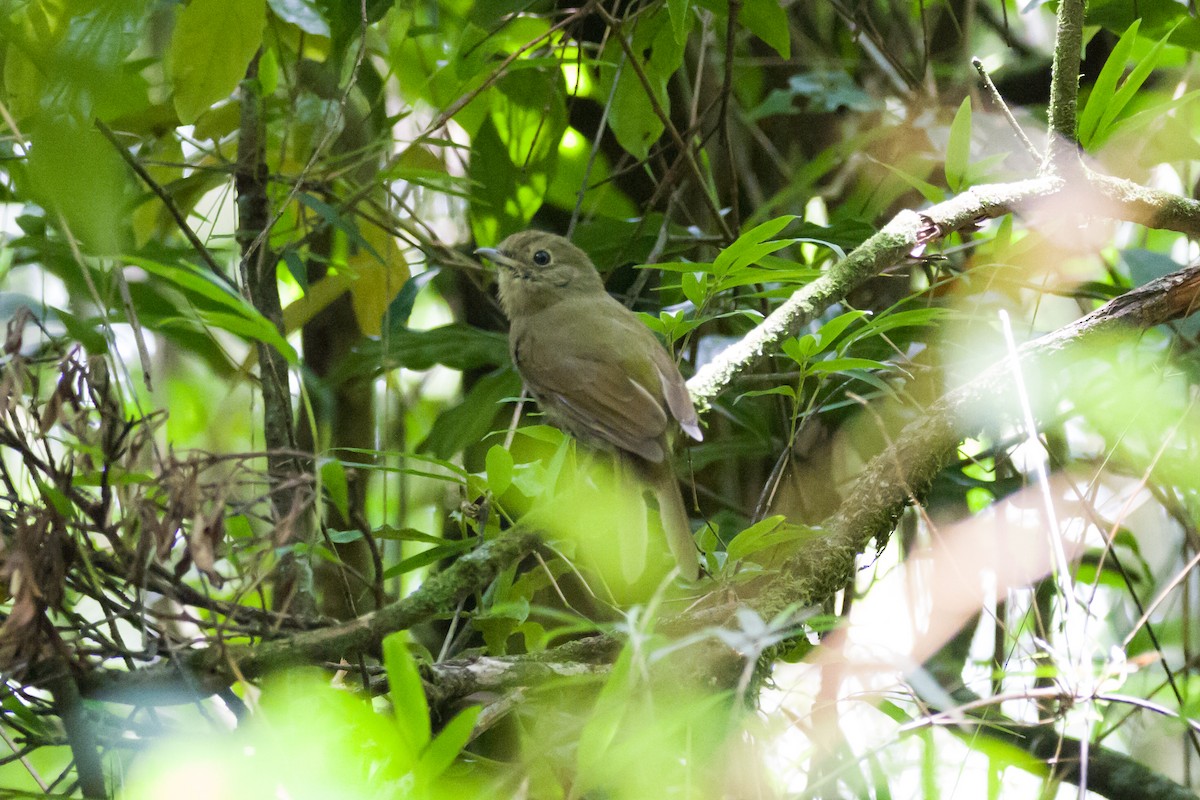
(601, 386)
(675, 392)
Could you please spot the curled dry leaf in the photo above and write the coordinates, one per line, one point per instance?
(13, 338)
(203, 541)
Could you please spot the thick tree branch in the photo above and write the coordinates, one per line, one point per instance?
(81, 734)
(908, 466)
(908, 230)
(892, 245)
(1109, 773)
(200, 673)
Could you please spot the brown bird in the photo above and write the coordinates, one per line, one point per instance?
(595, 369)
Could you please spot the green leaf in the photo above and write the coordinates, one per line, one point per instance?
(506, 196)
(749, 540)
(825, 91)
(213, 43)
(254, 329)
(800, 349)
(304, 14)
(72, 170)
(600, 731)
(1129, 88)
(695, 288)
(333, 480)
(499, 464)
(767, 20)
(914, 318)
(958, 149)
(1147, 265)
(400, 309)
(529, 115)
(832, 329)
(632, 116)
(340, 221)
(427, 557)
(456, 346)
(55, 498)
(928, 191)
(407, 692)
(1158, 18)
(198, 281)
(442, 751)
(406, 535)
(843, 364)
(786, 391)
(469, 421)
(752, 245)
(681, 18)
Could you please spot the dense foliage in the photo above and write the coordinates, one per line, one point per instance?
(275, 518)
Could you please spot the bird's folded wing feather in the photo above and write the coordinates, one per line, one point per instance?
(602, 388)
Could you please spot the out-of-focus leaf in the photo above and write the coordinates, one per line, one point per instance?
(304, 14)
(380, 273)
(958, 148)
(232, 313)
(442, 751)
(681, 19)
(333, 480)
(768, 21)
(499, 463)
(427, 557)
(1147, 265)
(633, 118)
(529, 115)
(1106, 101)
(341, 222)
(928, 191)
(72, 170)
(786, 391)
(389, 533)
(844, 364)
(468, 422)
(400, 309)
(213, 43)
(407, 693)
(456, 346)
(825, 90)
(506, 195)
(917, 317)
(1158, 18)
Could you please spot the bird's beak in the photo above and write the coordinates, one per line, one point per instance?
(495, 256)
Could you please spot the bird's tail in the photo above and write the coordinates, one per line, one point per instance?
(661, 480)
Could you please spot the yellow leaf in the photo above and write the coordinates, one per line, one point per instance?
(378, 281)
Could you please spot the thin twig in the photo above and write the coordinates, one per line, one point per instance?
(668, 126)
(169, 203)
(1004, 109)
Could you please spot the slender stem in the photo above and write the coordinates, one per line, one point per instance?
(168, 202)
(668, 125)
(1004, 109)
(294, 588)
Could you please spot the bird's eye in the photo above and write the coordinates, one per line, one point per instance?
(541, 258)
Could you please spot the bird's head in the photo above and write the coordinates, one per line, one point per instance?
(537, 269)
